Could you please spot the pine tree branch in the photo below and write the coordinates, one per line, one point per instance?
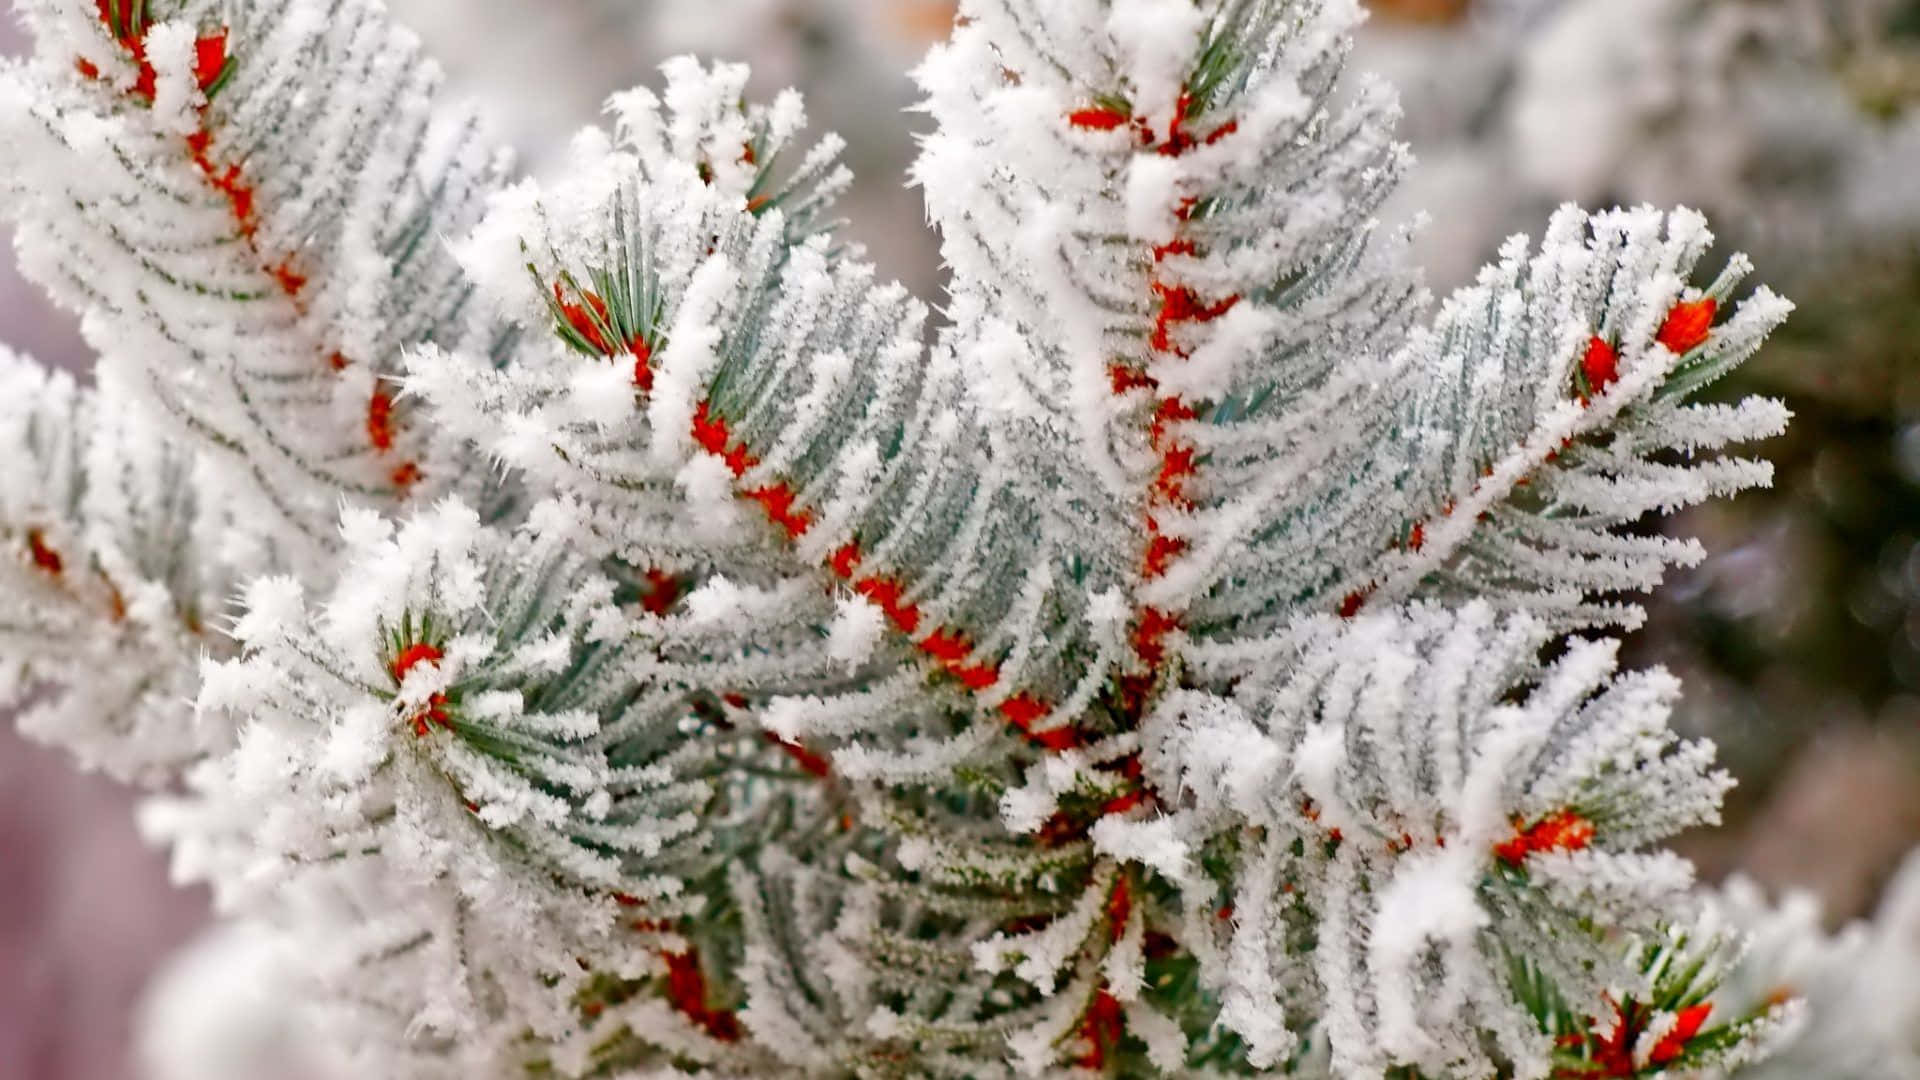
(109, 584)
(255, 251)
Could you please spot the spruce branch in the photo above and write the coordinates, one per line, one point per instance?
(1167, 667)
(111, 584)
(249, 242)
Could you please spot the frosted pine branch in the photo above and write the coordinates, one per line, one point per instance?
(113, 579)
(451, 740)
(657, 654)
(247, 204)
(1428, 832)
(1851, 1000)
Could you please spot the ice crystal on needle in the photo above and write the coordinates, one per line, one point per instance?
(656, 652)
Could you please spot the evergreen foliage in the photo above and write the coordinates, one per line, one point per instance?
(658, 652)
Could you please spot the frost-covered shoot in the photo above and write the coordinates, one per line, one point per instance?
(598, 628)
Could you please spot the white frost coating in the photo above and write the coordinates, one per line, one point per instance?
(1318, 762)
(1237, 340)
(602, 393)
(1166, 1043)
(687, 361)
(857, 628)
(1037, 957)
(1155, 42)
(1204, 744)
(1153, 199)
(1429, 903)
(416, 618)
(1026, 808)
(1124, 969)
(176, 89)
(489, 254)
(1415, 787)
(1252, 1007)
(104, 515)
(707, 125)
(1156, 844)
(220, 290)
(626, 640)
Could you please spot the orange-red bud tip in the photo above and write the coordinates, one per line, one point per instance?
(1688, 325)
(1562, 830)
(43, 555)
(1097, 119)
(209, 57)
(1600, 365)
(419, 652)
(1686, 1025)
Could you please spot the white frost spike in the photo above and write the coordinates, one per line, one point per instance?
(170, 50)
(1166, 1043)
(1039, 956)
(688, 361)
(1252, 1005)
(1156, 42)
(1429, 904)
(857, 628)
(1153, 200)
(1156, 843)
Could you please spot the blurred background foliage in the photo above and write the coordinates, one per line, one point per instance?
(1795, 124)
